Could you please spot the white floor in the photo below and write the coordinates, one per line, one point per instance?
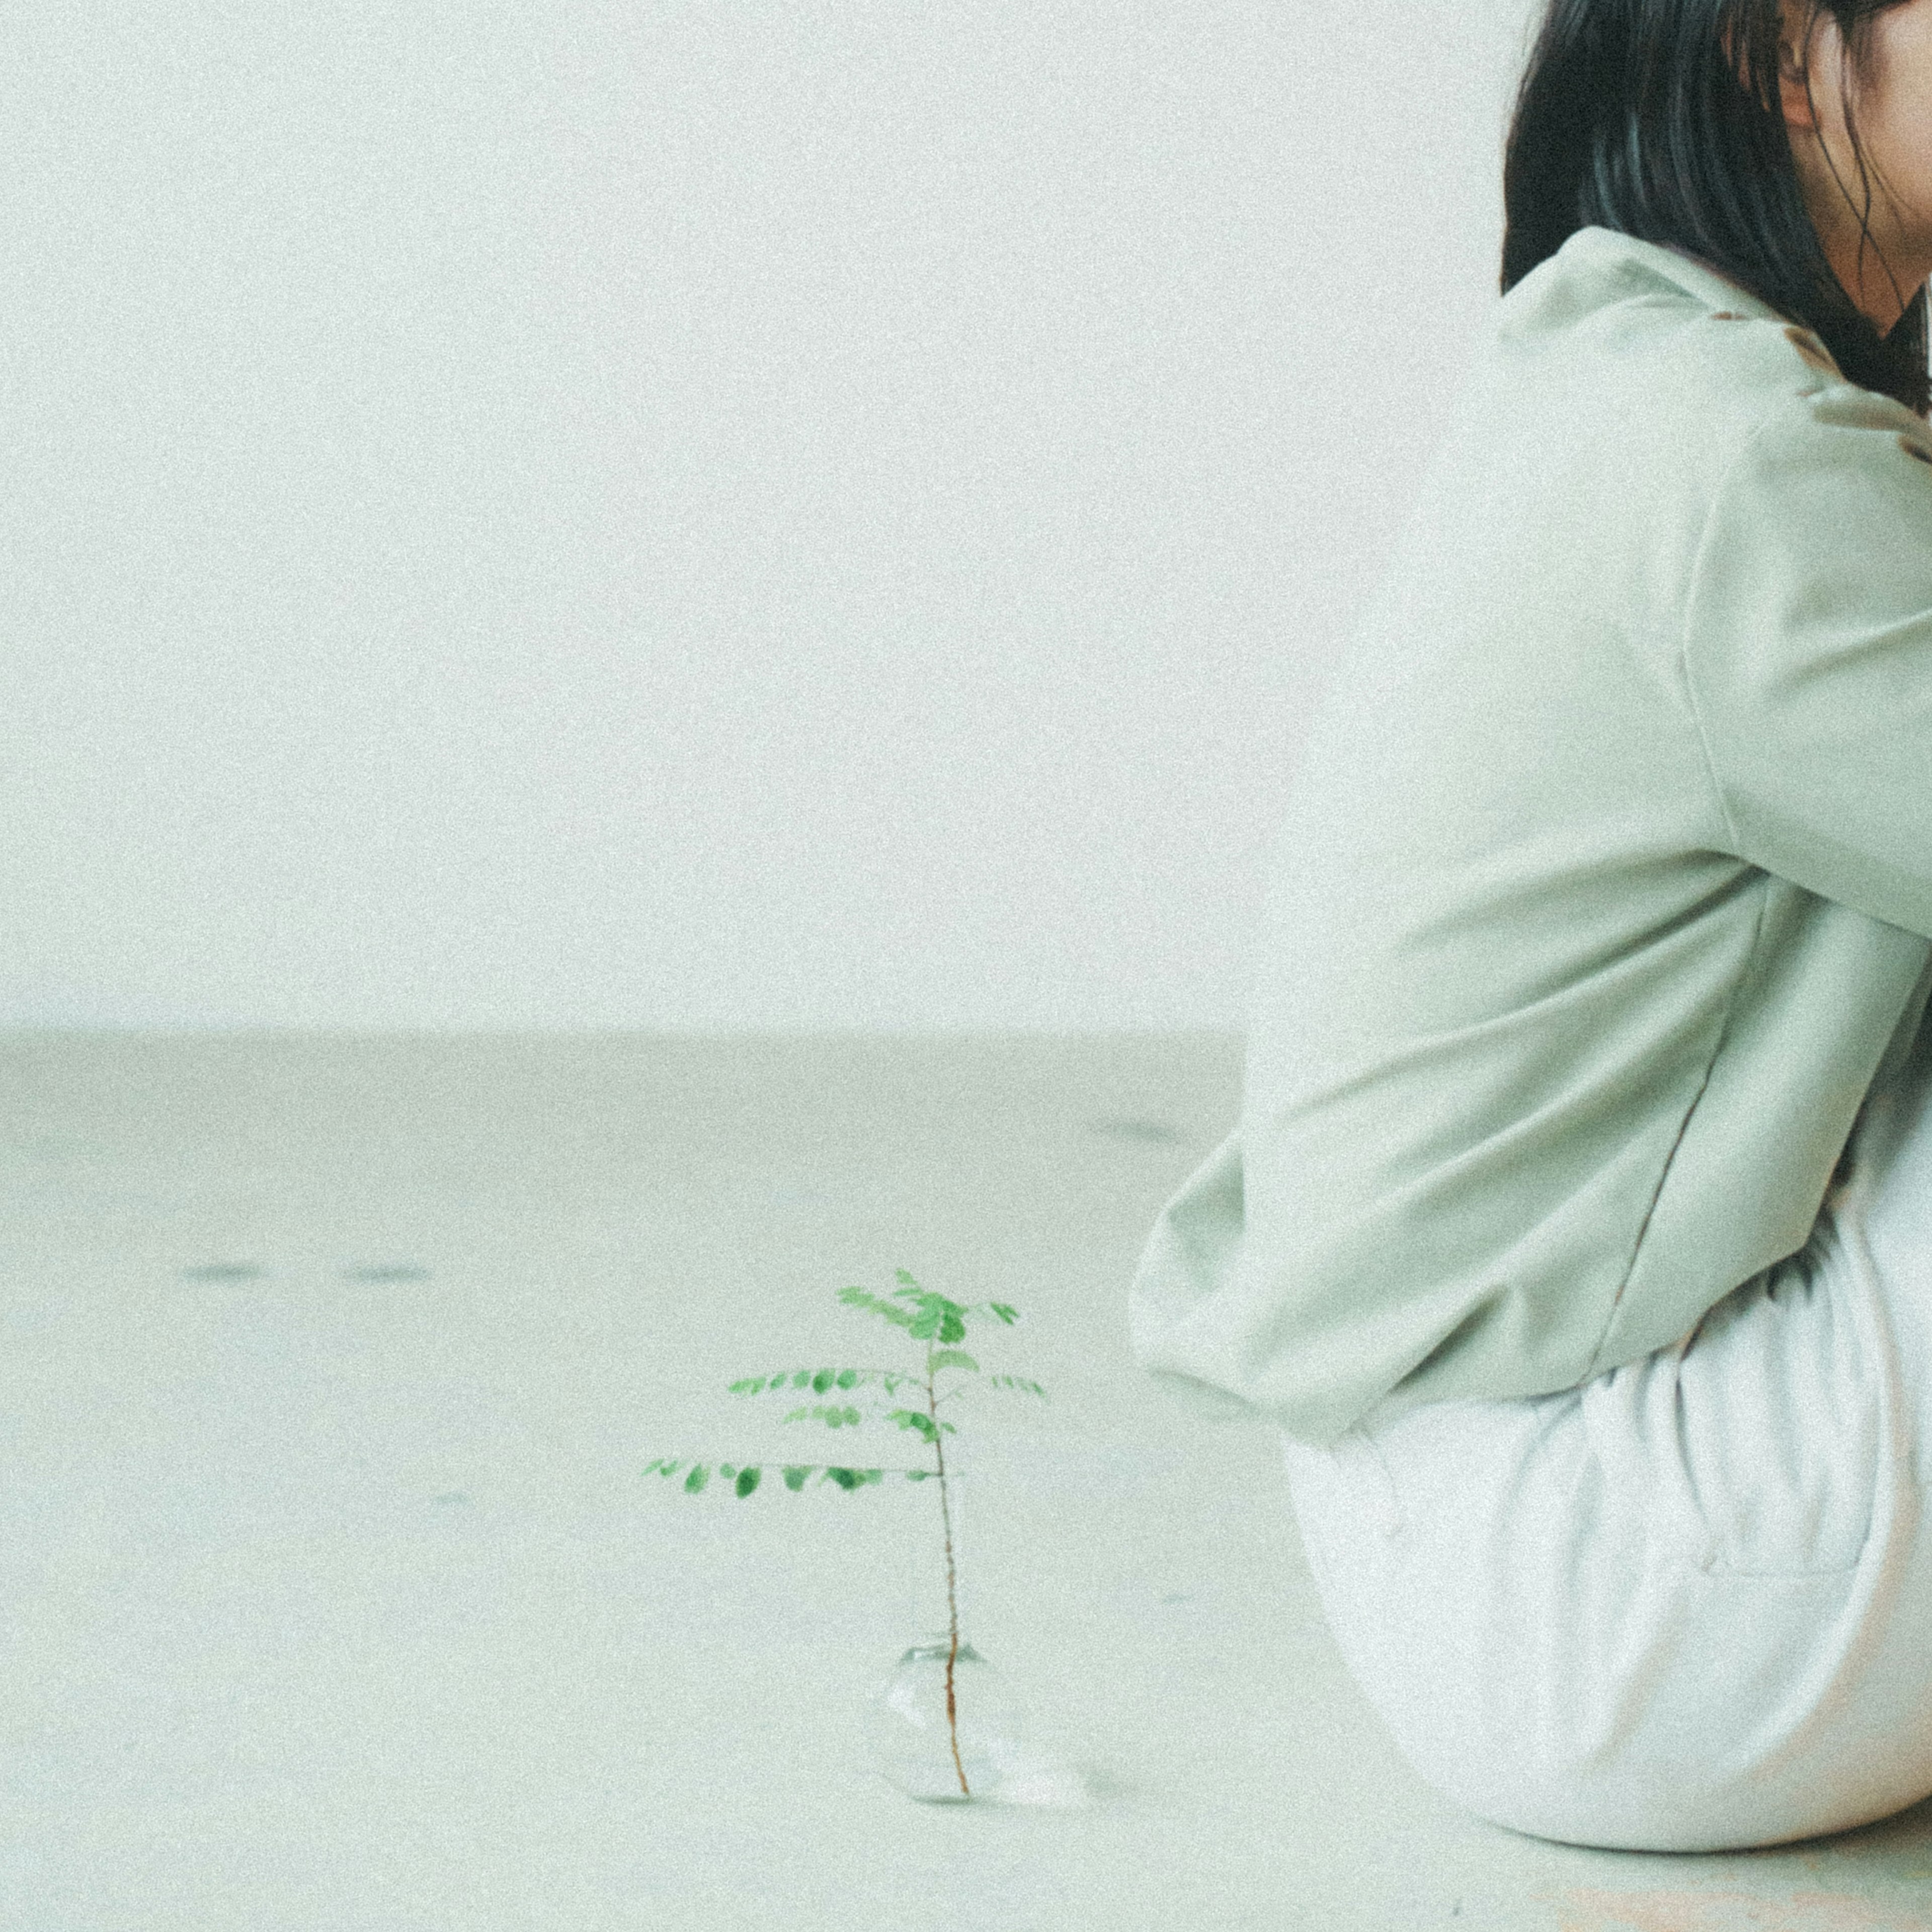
(337, 1600)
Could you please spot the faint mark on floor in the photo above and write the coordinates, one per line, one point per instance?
(388, 1271)
(1153, 1133)
(1175, 1597)
(451, 1496)
(223, 1271)
(1592, 1909)
(785, 1195)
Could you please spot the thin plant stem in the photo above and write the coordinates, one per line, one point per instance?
(951, 1599)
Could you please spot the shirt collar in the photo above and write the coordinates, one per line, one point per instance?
(1605, 253)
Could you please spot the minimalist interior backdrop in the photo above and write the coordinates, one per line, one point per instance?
(789, 515)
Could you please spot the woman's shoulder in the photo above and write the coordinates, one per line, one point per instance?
(1604, 290)
(1648, 335)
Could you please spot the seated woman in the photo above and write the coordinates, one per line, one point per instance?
(1577, 1232)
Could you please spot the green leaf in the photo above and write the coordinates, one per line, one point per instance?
(914, 1418)
(1005, 1311)
(834, 1416)
(748, 1481)
(662, 1465)
(803, 1379)
(846, 1479)
(906, 1278)
(920, 1475)
(859, 1297)
(937, 1316)
(955, 1358)
(795, 1475)
(700, 1475)
(823, 1381)
(725, 1470)
(750, 1385)
(1020, 1382)
(847, 1378)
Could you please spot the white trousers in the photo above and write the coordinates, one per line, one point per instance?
(1687, 1605)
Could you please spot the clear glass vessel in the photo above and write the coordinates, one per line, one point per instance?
(943, 1724)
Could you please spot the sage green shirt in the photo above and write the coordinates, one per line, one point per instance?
(1603, 882)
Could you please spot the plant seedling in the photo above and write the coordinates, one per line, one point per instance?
(925, 1317)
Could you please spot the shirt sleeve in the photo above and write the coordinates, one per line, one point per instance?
(1807, 650)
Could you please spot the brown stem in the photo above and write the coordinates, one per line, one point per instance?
(951, 1599)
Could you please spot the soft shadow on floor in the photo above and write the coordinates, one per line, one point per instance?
(1876, 1878)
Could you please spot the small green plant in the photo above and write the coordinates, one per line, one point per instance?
(925, 1317)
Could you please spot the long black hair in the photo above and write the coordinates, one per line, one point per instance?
(1632, 115)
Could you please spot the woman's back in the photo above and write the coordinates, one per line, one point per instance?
(1605, 879)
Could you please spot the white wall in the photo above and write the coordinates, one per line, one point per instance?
(742, 514)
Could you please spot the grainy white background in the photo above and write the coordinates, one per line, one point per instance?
(725, 514)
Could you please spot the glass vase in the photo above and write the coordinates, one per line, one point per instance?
(944, 1727)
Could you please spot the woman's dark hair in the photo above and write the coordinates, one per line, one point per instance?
(1632, 115)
